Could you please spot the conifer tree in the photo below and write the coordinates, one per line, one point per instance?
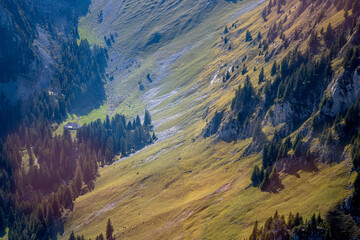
(254, 234)
(273, 69)
(100, 237)
(261, 75)
(109, 230)
(72, 236)
(147, 118)
(355, 199)
(248, 37)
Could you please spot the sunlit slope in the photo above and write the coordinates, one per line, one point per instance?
(188, 31)
(185, 187)
(180, 189)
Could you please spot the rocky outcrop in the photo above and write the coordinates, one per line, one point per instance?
(343, 92)
(280, 113)
(228, 130)
(214, 124)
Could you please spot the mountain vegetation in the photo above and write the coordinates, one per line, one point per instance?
(42, 173)
(299, 87)
(336, 225)
(80, 79)
(257, 103)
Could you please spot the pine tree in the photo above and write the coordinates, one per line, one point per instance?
(265, 181)
(100, 237)
(313, 41)
(254, 234)
(107, 122)
(259, 37)
(147, 118)
(72, 236)
(329, 35)
(76, 183)
(109, 230)
(248, 37)
(129, 126)
(2, 222)
(137, 121)
(273, 69)
(257, 176)
(149, 78)
(319, 220)
(355, 199)
(298, 149)
(261, 75)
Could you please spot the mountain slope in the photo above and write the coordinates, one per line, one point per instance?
(189, 187)
(33, 31)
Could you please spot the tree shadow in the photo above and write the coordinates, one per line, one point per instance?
(307, 166)
(275, 188)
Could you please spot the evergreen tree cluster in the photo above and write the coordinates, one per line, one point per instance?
(351, 60)
(108, 235)
(355, 156)
(16, 50)
(244, 102)
(114, 136)
(348, 5)
(21, 191)
(54, 174)
(341, 131)
(248, 37)
(337, 225)
(80, 79)
(268, 178)
(36, 190)
(41, 173)
(298, 82)
(42, 106)
(276, 227)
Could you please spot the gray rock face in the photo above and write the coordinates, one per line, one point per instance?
(228, 131)
(344, 91)
(214, 124)
(280, 113)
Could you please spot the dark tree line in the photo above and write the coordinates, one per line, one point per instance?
(36, 189)
(81, 75)
(244, 102)
(336, 226)
(41, 174)
(115, 136)
(41, 106)
(109, 231)
(267, 178)
(55, 172)
(16, 49)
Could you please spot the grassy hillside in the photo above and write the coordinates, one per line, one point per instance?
(184, 186)
(154, 195)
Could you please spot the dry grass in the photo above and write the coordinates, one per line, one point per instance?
(186, 187)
